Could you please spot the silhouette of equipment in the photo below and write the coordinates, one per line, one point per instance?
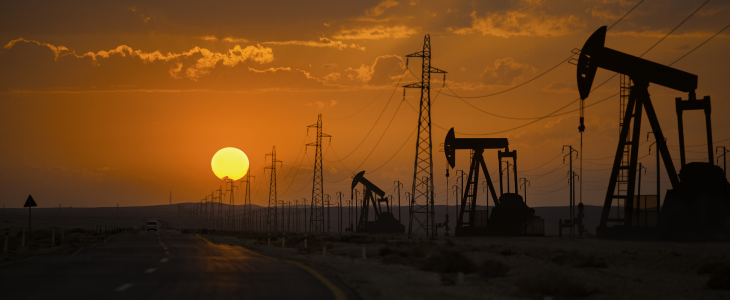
(384, 220)
(510, 215)
(692, 208)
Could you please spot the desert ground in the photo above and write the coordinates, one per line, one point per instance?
(394, 267)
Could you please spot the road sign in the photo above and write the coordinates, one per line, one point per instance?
(30, 202)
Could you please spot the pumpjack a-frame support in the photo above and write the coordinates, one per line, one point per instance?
(642, 72)
(384, 219)
(468, 207)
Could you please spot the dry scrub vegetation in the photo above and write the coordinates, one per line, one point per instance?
(503, 268)
(46, 242)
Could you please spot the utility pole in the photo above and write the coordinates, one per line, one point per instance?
(231, 223)
(638, 201)
(316, 219)
(170, 197)
(329, 215)
(460, 192)
(572, 186)
(356, 192)
(525, 183)
(508, 165)
(447, 195)
(658, 177)
(271, 210)
(724, 159)
(220, 220)
(339, 199)
(296, 215)
(422, 191)
(304, 202)
(571, 182)
(398, 185)
(247, 203)
(283, 215)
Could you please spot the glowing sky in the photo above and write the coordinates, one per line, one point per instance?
(103, 102)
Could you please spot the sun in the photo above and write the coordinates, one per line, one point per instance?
(229, 163)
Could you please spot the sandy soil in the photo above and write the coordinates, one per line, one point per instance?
(539, 268)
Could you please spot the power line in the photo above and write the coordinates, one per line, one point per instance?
(626, 14)
(376, 121)
(554, 158)
(675, 28)
(366, 106)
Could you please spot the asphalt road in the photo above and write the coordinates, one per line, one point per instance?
(168, 265)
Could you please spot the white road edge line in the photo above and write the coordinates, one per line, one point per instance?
(150, 270)
(123, 287)
(164, 260)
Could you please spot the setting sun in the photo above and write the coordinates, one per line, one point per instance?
(229, 162)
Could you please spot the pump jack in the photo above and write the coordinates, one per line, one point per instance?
(510, 214)
(695, 206)
(384, 220)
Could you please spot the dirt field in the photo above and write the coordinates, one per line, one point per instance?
(505, 268)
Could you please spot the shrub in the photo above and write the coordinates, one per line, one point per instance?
(710, 268)
(448, 262)
(493, 269)
(553, 284)
(720, 279)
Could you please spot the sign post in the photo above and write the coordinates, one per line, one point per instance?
(29, 203)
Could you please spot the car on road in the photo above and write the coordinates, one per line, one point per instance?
(151, 225)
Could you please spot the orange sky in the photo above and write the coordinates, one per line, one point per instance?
(104, 103)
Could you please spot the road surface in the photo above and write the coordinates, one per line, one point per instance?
(164, 265)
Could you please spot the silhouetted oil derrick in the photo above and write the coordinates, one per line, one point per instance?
(384, 221)
(316, 220)
(684, 211)
(271, 224)
(510, 215)
(422, 207)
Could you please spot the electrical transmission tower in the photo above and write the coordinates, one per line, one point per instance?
(316, 220)
(246, 217)
(271, 211)
(422, 207)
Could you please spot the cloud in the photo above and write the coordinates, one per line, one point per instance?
(506, 72)
(31, 66)
(209, 38)
(514, 23)
(382, 71)
(380, 8)
(375, 33)
(204, 59)
(323, 42)
(322, 105)
(235, 40)
(57, 50)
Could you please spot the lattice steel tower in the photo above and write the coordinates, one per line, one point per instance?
(246, 221)
(271, 210)
(316, 220)
(422, 207)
